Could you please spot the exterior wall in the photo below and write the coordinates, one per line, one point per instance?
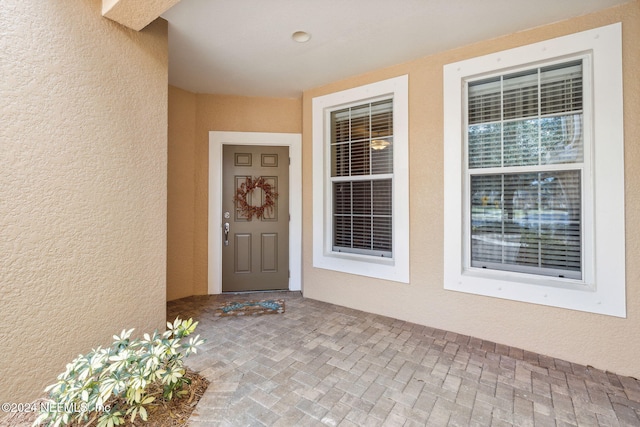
(180, 193)
(604, 342)
(212, 113)
(83, 185)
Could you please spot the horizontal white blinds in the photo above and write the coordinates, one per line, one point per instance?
(362, 215)
(527, 222)
(529, 118)
(527, 219)
(354, 134)
(362, 178)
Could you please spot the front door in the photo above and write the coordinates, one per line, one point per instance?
(255, 218)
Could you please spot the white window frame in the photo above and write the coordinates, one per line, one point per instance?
(602, 288)
(584, 167)
(396, 267)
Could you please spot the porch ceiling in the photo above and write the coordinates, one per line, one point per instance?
(244, 47)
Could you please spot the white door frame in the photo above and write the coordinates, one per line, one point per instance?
(216, 141)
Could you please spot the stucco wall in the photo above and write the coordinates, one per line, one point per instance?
(604, 342)
(180, 193)
(212, 113)
(82, 185)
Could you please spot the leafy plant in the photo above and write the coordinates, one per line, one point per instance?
(110, 384)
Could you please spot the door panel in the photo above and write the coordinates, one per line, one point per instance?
(269, 252)
(256, 256)
(242, 255)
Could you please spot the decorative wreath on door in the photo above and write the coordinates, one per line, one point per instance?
(246, 188)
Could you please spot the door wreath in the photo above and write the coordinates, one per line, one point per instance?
(246, 188)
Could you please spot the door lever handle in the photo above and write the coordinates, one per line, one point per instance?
(226, 233)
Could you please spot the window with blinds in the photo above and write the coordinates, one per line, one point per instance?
(525, 169)
(362, 178)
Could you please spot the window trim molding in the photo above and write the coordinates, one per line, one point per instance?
(603, 290)
(395, 268)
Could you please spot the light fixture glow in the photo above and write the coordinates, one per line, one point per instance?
(379, 144)
(301, 36)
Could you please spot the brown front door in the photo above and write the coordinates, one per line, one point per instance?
(255, 251)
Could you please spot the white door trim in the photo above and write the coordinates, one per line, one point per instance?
(216, 141)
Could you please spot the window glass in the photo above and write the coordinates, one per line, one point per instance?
(527, 220)
(362, 147)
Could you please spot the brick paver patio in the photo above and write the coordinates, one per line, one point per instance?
(326, 365)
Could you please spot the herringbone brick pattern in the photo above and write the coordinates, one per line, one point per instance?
(325, 365)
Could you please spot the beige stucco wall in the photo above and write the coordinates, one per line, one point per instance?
(187, 266)
(180, 193)
(601, 341)
(83, 169)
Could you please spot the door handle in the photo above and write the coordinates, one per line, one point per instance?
(226, 234)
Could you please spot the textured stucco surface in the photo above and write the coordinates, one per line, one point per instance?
(602, 341)
(180, 193)
(83, 170)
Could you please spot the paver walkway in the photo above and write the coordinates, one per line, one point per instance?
(326, 365)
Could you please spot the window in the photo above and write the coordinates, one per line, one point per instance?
(525, 161)
(534, 174)
(361, 180)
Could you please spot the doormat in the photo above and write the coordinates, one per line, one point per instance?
(250, 308)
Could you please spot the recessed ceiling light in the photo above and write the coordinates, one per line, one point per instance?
(301, 36)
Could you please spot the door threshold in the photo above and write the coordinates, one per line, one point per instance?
(269, 291)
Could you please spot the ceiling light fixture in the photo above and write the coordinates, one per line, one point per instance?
(301, 36)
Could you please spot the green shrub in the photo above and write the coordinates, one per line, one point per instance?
(109, 384)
